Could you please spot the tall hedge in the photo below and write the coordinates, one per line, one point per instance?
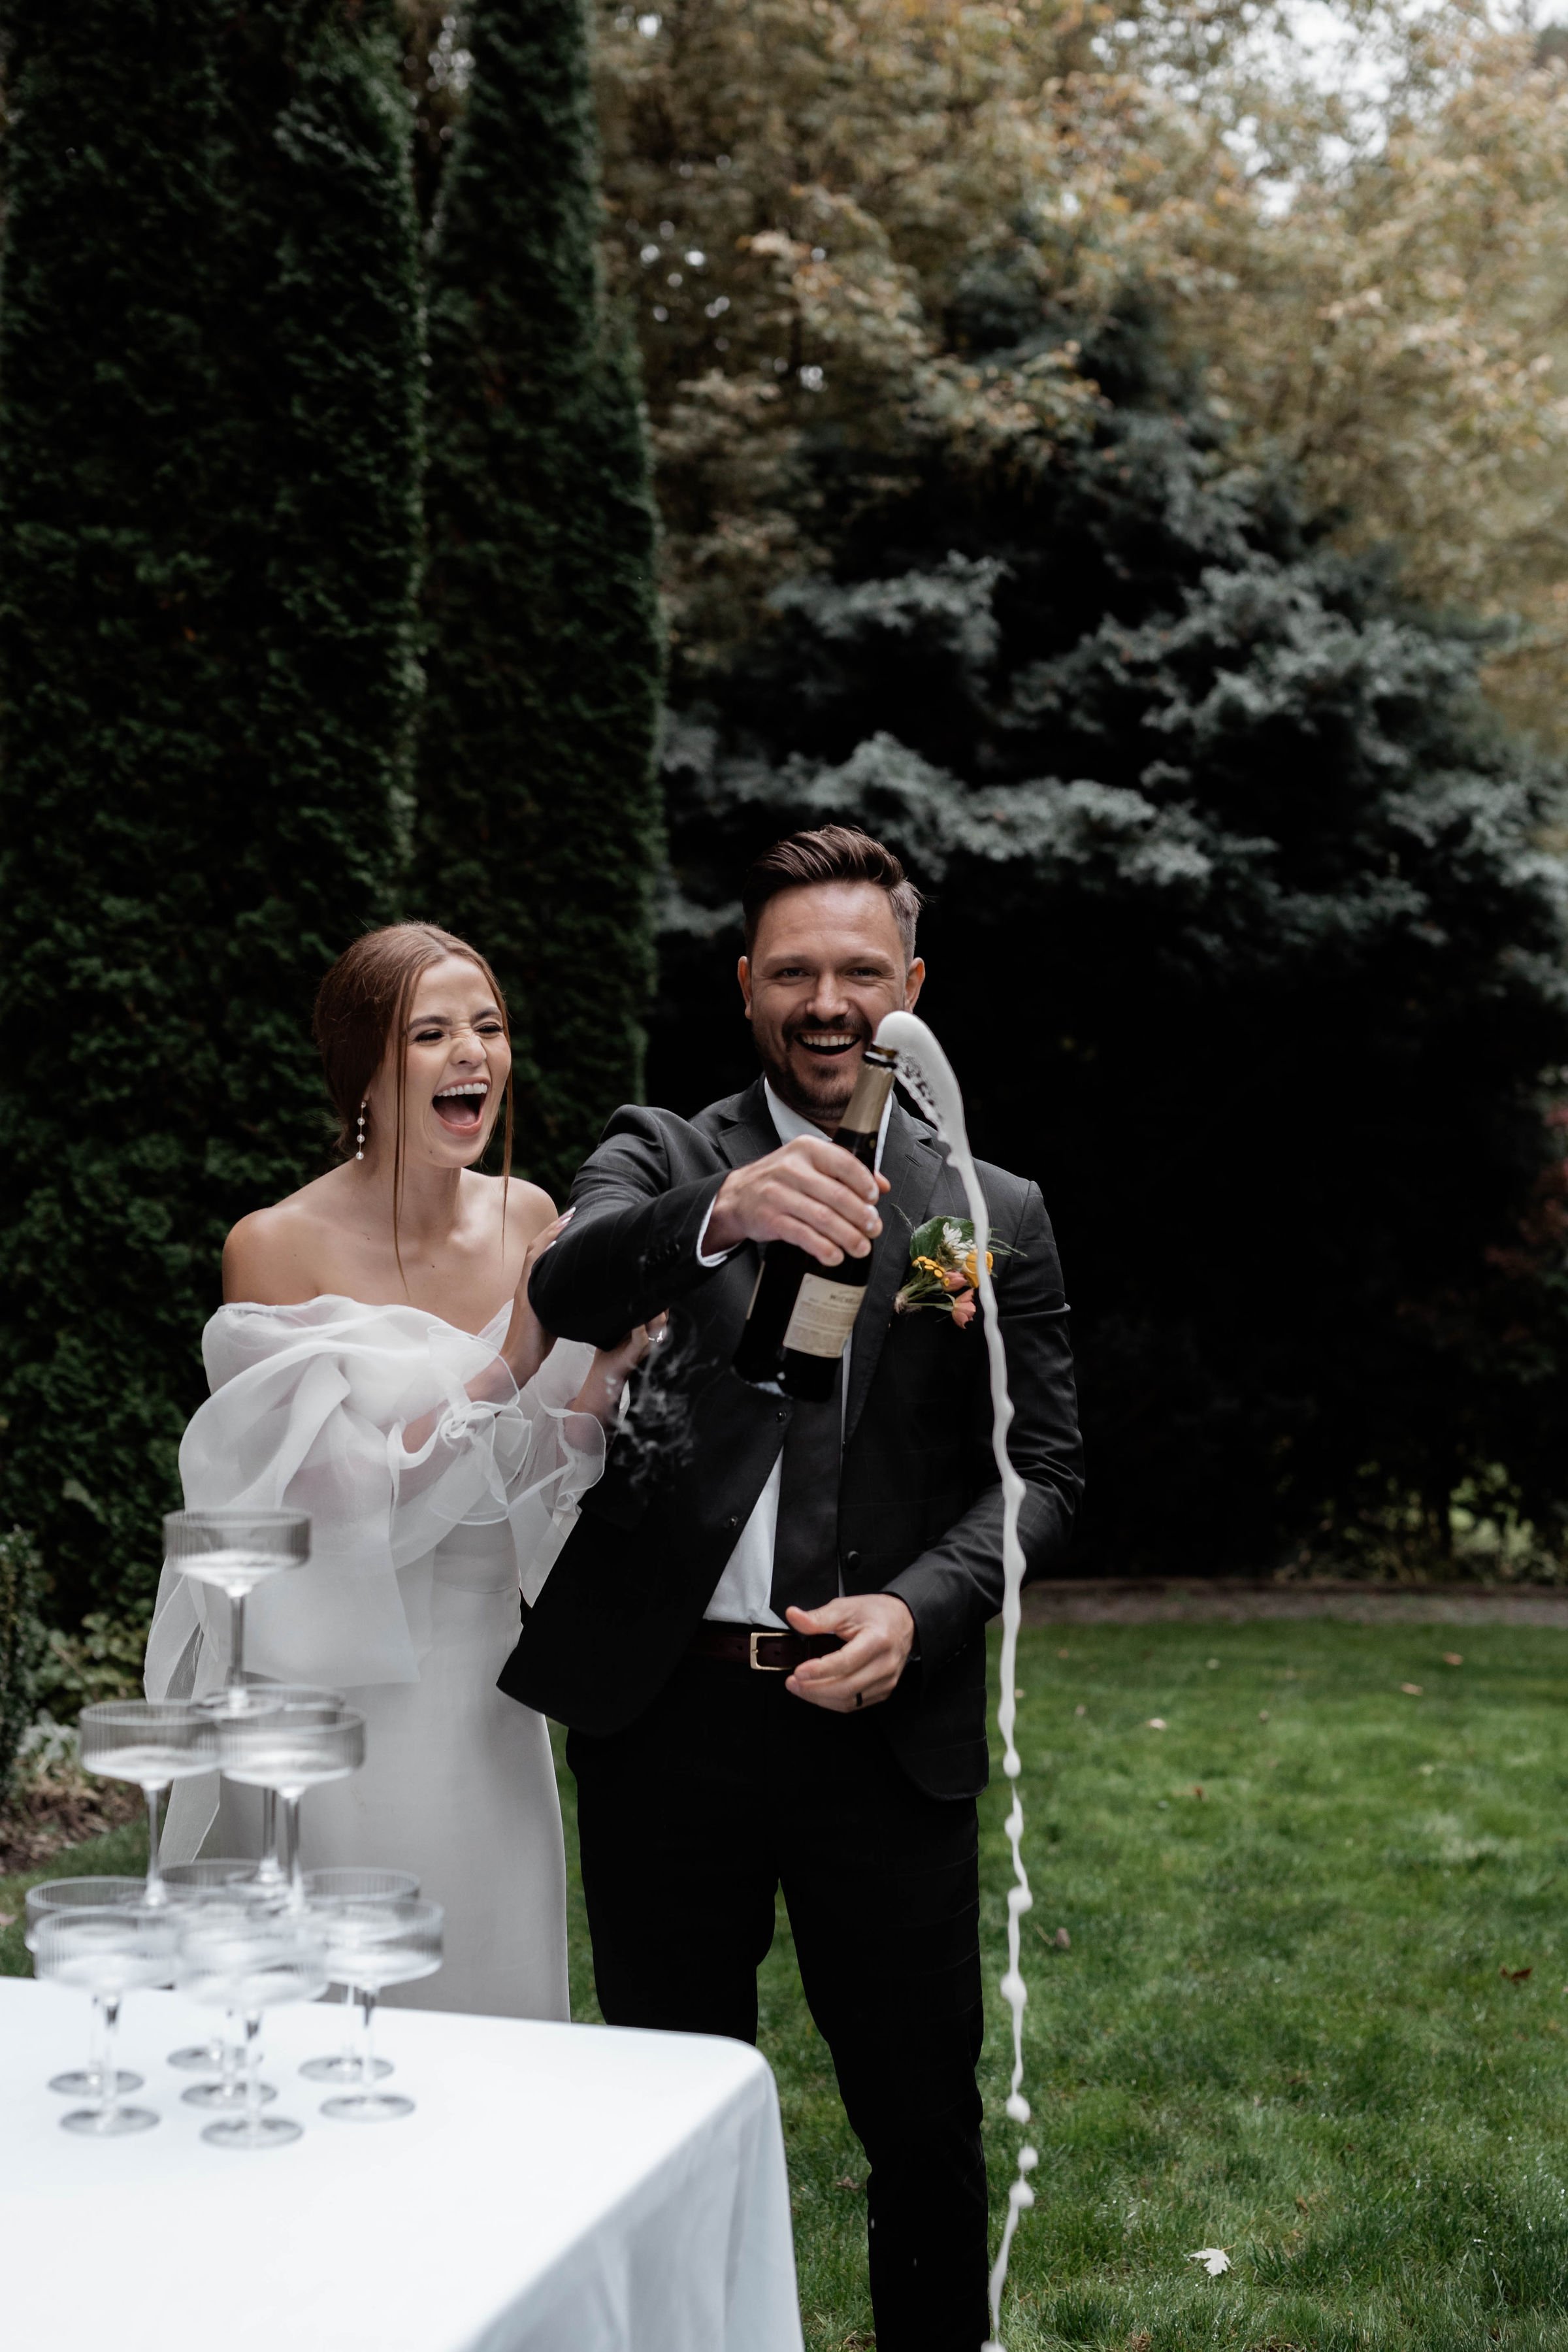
(537, 816)
(208, 467)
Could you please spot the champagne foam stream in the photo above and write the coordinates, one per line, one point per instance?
(928, 1074)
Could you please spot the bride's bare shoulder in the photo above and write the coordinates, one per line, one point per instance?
(530, 1204)
(274, 1257)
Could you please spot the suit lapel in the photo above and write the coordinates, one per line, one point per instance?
(745, 1130)
(912, 1159)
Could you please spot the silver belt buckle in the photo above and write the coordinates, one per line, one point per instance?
(763, 1634)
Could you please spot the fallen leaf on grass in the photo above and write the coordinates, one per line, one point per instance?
(1263, 1715)
(8, 1918)
(1197, 1788)
(1080, 1710)
(1452, 1658)
(1412, 1690)
(1211, 1663)
(1214, 2260)
(1061, 1654)
(846, 2180)
(1515, 1976)
(1062, 1940)
(1156, 1723)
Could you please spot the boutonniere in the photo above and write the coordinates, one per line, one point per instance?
(943, 1268)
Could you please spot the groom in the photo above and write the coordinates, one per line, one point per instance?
(771, 1651)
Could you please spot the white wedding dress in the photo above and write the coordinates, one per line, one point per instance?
(408, 1604)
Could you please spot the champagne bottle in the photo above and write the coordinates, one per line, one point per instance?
(803, 1312)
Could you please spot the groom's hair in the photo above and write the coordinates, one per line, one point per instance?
(833, 853)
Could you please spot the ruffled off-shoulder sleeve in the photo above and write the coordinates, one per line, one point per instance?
(363, 1417)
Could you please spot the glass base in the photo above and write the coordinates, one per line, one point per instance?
(227, 2097)
(81, 2083)
(196, 2058)
(345, 2069)
(367, 2107)
(267, 2131)
(111, 2124)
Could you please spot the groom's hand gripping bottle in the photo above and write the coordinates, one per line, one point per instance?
(801, 1312)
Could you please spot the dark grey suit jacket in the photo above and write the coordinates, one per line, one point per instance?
(919, 1510)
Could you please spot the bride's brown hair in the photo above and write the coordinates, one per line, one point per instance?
(361, 1008)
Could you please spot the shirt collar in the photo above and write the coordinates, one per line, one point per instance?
(788, 1123)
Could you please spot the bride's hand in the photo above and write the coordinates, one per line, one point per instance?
(527, 1342)
(612, 1368)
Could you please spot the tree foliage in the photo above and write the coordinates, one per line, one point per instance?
(537, 804)
(854, 224)
(1240, 940)
(208, 466)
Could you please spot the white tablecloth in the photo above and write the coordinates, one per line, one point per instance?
(561, 2188)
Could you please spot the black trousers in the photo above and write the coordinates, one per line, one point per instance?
(689, 1821)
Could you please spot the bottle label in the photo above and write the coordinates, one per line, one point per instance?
(824, 1315)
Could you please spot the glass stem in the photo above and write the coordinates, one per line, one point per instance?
(157, 1894)
(367, 2037)
(96, 2062)
(234, 1680)
(231, 2055)
(270, 1869)
(351, 2044)
(108, 2080)
(290, 1811)
(252, 2073)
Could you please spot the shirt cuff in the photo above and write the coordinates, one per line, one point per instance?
(703, 1257)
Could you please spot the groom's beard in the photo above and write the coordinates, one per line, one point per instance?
(817, 1086)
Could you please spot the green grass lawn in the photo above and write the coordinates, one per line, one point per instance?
(1280, 2026)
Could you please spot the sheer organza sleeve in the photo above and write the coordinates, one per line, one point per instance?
(363, 1417)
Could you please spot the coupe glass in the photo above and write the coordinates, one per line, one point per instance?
(247, 1962)
(236, 1549)
(289, 1743)
(346, 1884)
(371, 1946)
(261, 1695)
(84, 1894)
(216, 1876)
(153, 1742)
(106, 1952)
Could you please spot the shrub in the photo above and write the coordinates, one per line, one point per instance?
(21, 1644)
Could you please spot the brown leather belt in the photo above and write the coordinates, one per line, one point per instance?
(764, 1653)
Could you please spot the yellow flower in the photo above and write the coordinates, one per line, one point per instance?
(931, 1266)
(971, 1270)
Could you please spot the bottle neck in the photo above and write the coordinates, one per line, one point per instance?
(862, 1122)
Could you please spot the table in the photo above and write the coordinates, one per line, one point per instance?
(560, 2189)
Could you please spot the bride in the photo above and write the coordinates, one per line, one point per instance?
(377, 1364)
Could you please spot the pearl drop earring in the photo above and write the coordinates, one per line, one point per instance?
(360, 1153)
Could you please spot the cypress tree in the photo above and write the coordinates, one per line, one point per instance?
(208, 456)
(537, 822)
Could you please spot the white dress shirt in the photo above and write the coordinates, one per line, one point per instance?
(742, 1595)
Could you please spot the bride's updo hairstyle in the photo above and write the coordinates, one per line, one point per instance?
(362, 1012)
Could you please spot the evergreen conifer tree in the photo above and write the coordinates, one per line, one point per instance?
(1243, 942)
(208, 467)
(537, 818)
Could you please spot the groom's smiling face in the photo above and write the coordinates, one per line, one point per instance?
(826, 963)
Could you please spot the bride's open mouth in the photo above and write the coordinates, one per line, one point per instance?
(462, 1108)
